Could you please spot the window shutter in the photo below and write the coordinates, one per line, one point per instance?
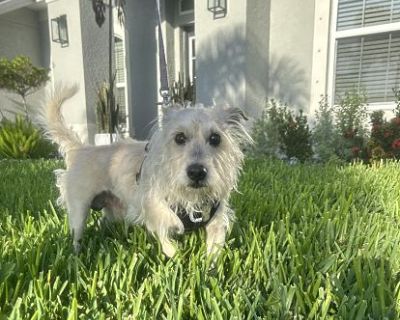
(369, 63)
(362, 13)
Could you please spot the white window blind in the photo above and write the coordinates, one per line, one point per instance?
(362, 13)
(119, 60)
(368, 63)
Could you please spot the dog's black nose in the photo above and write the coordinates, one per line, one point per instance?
(196, 172)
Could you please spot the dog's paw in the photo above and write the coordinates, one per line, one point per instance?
(168, 248)
(77, 247)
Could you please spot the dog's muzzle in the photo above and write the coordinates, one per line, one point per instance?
(197, 173)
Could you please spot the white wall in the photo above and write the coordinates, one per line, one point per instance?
(291, 51)
(95, 60)
(84, 62)
(221, 54)
(67, 64)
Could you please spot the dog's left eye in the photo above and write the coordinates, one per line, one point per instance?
(215, 139)
(180, 138)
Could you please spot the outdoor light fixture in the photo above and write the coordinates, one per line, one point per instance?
(217, 7)
(59, 30)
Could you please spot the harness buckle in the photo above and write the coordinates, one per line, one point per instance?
(194, 219)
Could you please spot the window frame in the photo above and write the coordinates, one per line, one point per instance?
(336, 35)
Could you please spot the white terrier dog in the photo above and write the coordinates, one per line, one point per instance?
(181, 178)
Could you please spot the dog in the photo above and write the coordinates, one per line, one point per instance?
(180, 179)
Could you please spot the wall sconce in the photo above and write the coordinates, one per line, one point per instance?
(59, 30)
(217, 7)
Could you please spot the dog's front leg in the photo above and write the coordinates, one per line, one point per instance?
(216, 231)
(162, 221)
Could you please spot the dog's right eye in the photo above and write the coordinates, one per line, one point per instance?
(180, 138)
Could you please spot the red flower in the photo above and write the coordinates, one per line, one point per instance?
(396, 144)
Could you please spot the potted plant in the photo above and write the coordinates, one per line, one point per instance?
(107, 111)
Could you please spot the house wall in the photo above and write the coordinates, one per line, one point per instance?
(67, 64)
(291, 51)
(21, 34)
(95, 60)
(321, 49)
(84, 62)
(221, 54)
(142, 65)
(257, 54)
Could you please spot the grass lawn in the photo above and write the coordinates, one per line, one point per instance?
(310, 242)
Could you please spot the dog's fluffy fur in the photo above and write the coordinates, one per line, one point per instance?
(106, 176)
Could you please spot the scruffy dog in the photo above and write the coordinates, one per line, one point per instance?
(182, 176)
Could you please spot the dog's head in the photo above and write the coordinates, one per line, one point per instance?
(196, 154)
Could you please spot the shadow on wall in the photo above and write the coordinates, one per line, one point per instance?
(220, 69)
(225, 76)
(288, 82)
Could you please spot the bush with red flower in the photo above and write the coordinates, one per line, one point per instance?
(350, 122)
(385, 137)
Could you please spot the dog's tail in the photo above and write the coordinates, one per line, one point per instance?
(52, 120)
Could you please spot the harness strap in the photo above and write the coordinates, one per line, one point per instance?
(139, 173)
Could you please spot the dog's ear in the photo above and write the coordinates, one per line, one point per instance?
(231, 115)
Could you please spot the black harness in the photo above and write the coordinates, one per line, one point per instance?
(191, 225)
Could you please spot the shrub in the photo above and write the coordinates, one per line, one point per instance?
(267, 140)
(279, 131)
(20, 139)
(296, 136)
(20, 76)
(351, 119)
(385, 137)
(325, 136)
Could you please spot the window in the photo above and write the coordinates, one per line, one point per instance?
(119, 60)
(120, 83)
(192, 58)
(367, 37)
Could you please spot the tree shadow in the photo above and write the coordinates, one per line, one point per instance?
(233, 69)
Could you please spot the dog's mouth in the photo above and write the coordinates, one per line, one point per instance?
(197, 185)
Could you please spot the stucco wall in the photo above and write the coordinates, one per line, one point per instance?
(257, 54)
(291, 51)
(95, 60)
(67, 64)
(21, 34)
(142, 65)
(220, 56)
